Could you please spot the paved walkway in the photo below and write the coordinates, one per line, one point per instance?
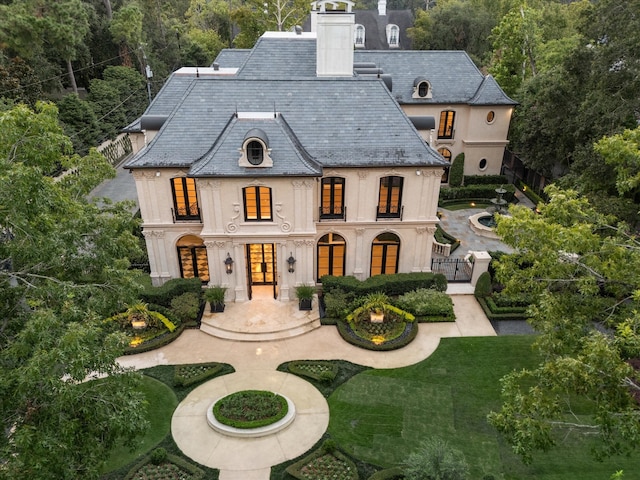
(255, 364)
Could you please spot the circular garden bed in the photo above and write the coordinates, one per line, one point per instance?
(251, 413)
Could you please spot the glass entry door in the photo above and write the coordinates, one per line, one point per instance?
(262, 261)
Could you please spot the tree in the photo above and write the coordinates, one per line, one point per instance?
(582, 272)
(63, 270)
(622, 152)
(126, 28)
(79, 123)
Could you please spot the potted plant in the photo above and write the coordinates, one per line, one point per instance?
(305, 296)
(215, 296)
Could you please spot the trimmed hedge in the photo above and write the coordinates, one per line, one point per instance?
(530, 194)
(485, 180)
(184, 377)
(295, 470)
(327, 370)
(158, 342)
(173, 288)
(349, 336)
(456, 172)
(191, 469)
(486, 192)
(483, 286)
(391, 285)
(394, 473)
(249, 424)
(513, 313)
(443, 237)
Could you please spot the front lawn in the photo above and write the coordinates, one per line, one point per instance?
(379, 416)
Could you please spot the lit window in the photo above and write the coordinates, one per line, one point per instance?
(445, 130)
(192, 255)
(446, 153)
(491, 116)
(390, 197)
(385, 251)
(185, 200)
(332, 201)
(359, 36)
(257, 204)
(331, 255)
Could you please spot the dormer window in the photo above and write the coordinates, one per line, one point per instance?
(359, 36)
(255, 151)
(393, 36)
(421, 88)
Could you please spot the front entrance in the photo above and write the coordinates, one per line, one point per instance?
(261, 266)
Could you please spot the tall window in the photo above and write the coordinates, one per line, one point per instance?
(332, 201)
(192, 255)
(359, 36)
(257, 204)
(390, 197)
(445, 130)
(384, 254)
(394, 33)
(185, 200)
(331, 255)
(446, 153)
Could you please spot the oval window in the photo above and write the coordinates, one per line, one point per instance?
(483, 164)
(491, 116)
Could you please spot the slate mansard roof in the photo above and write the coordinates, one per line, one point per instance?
(317, 123)
(453, 76)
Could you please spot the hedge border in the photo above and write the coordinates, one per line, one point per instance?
(192, 469)
(180, 381)
(249, 424)
(499, 316)
(294, 469)
(293, 368)
(349, 336)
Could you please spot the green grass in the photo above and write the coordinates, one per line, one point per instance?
(161, 404)
(379, 416)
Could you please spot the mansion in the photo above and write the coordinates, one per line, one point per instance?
(305, 157)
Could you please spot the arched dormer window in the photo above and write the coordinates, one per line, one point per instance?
(393, 36)
(255, 151)
(358, 41)
(421, 88)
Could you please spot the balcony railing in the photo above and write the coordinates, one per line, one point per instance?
(382, 214)
(327, 213)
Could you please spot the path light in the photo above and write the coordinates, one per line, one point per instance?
(228, 264)
(291, 261)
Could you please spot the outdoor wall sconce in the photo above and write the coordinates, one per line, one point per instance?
(291, 261)
(228, 264)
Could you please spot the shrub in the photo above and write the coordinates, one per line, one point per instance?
(436, 460)
(329, 445)
(426, 302)
(193, 373)
(250, 409)
(318, 370)
(392, 285)
(456, 172)
(173, 288)
(443, 237)
(486, 180)
(186, 306)
(337, 303)
(158, 456)
(482, 192)
(483, 286)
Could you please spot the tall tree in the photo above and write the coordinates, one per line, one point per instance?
(65, 401)
(582, 271)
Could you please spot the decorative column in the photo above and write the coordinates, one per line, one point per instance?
(481, 262)
(358, 269)
(237, 280)
(154, 240)
(418, 250)
(431, 230)
(210, 203)
(363, 199)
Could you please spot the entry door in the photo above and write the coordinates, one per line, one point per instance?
(261, 263)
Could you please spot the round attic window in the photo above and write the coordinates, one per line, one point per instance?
(483, 164)
(491, 116)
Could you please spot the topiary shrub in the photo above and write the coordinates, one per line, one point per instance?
(483, 286)
(456, 172)
(158, 456)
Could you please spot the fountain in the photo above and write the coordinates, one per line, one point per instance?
(483, 223)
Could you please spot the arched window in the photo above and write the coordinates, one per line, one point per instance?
(185, 200)
(359, 36)
(192, 255)
(331, 255)
(446, 153)
(421, 88)
(393, 36)
(385, 251)
(255, 152)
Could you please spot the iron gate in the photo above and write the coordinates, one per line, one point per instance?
(455, 269)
